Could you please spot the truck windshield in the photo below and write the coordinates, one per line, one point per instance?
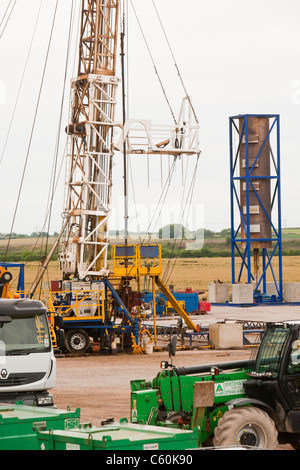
(25, 335)
(270, 351)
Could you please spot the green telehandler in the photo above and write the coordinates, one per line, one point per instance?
(253, 403)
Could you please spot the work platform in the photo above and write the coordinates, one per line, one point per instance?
(136, 260)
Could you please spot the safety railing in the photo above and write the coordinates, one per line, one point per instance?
(136, 260)
(76, 305)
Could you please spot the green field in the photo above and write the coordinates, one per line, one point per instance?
(194, 272)
(216, 245)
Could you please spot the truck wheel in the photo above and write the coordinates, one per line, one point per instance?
(246, 426)
(77, 341)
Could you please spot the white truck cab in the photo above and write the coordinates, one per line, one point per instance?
(27, 361)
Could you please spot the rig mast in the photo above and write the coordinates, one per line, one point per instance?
(102, 304)
(90, 142)
(93, 140)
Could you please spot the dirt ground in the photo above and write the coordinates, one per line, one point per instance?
(100, 385)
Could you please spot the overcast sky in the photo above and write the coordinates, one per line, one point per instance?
(235, 57)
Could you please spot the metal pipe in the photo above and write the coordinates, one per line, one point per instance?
(207, 367)
(154, 309)
(47, 260)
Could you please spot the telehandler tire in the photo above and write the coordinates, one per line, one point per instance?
(246, 426)
(294, 441)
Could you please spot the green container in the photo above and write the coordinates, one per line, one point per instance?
(20, 425)
(122, 436)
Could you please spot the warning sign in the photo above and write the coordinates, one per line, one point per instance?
(134, 416)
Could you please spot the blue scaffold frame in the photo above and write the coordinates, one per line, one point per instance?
(21, 276)
(236, 251)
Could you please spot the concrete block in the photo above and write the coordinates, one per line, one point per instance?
(218, 292)
(242, 293)
(271, 288)
(226, 335)
(292, 291)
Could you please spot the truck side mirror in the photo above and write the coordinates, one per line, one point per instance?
(172, 346)
(4, 319)
(60, 338)
(58, 321)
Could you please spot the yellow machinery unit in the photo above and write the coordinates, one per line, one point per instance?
(136, 260)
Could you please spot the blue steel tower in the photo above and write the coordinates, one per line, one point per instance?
(256, 240)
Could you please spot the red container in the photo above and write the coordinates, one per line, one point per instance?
(56, 286)
(204, 306)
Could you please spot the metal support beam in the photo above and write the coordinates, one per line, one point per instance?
(255, 193)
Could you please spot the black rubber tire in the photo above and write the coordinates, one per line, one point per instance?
(294, 441)
(246, 426)
(77, 341)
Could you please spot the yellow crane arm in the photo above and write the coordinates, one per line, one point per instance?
(176, 305)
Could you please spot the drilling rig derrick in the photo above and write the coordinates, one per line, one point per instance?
(90, 142)
(94, 302)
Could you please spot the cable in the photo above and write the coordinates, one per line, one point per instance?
(53, 178)
(167, 185)
(45, 221)
(4, 27)
(176, 66)
(134, 199)
(166, 277)
(47, 213)
(32, 129)
(181, 211)
(60, 119)
(7, 8)
(195, 116)
(21, 83)
(155, 68)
